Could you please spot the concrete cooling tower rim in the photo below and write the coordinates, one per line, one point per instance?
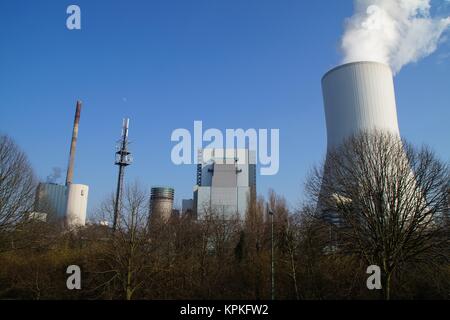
(354, 63)
(359, 96)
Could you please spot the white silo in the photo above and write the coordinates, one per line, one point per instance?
(77, 198)
(359, 96)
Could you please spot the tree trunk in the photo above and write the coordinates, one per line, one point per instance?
(294, 277)
(387, 286)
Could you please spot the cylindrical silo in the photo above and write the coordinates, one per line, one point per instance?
(358, 97)
(161, 203)
(77, 199)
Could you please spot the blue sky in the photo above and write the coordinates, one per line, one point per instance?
(165, 63)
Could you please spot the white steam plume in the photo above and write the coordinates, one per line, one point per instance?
(395, 32)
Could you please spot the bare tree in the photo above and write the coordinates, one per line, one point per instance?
(126, 258)
(251, 250)
(289, 245)
(17, 184)
(389, 199)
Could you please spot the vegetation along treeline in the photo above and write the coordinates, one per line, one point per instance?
(376, 200)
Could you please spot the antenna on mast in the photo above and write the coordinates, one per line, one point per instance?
(123, 159)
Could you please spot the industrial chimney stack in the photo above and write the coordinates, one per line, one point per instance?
(73, 145)
(76, 194)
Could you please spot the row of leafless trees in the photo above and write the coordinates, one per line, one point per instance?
(388, 202)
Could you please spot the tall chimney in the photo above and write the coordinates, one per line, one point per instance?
(73, 144)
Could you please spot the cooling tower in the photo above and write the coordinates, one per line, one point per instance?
(161, 203)
(77, 198)
(358, 97)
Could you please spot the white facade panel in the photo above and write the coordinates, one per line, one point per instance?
(243, 175)
(358, 97)
(227, 156)
(224, 200)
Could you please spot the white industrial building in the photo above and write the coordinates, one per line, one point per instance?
(226, 181)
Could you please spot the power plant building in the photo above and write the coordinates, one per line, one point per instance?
(226, 181)
(51, 199)
(61, 204)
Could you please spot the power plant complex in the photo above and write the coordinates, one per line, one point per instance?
(357, 97)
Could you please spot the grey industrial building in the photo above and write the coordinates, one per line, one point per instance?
(226, 182)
